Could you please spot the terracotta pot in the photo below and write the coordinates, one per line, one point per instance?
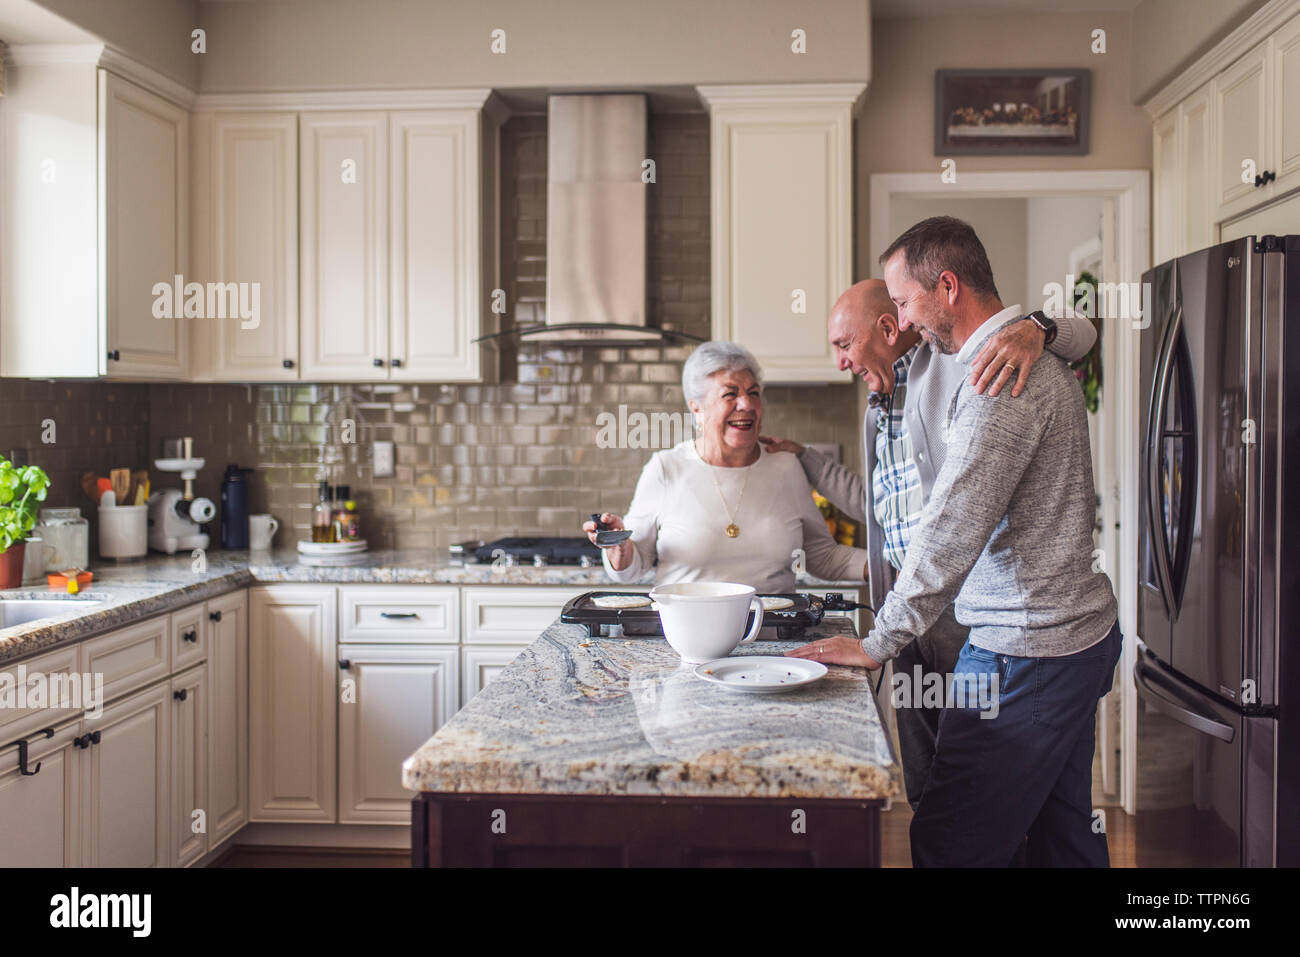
(11, 565)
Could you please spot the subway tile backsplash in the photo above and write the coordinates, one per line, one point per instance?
(472, 461)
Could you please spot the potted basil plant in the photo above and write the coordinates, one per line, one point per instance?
(21, 490)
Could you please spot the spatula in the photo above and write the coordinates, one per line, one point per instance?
(121, 482)
(607, 537)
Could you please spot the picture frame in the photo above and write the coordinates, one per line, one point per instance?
(1020, 112)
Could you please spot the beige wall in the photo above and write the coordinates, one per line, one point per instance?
(333, 44)
(1168, 35)
(153, 32)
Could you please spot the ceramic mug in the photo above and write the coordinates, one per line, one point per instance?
(706, 620)
(261, 529)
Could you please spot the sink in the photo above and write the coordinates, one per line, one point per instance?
(20, 611)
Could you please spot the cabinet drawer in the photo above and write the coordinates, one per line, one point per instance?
(189, 637)
(50, 679)
(513, 616)
(130, 657)
(398, 613)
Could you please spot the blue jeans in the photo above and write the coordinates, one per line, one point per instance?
(1022, 769)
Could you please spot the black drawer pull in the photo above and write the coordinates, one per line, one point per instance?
(398, 614)
(22, 754)
(395, 363)
(190, 636)
(181, 695)
(214, 616)
(115, 355)
(378, 363)
(287, 363)
(345, 663)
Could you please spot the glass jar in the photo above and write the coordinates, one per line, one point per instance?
(67, 539)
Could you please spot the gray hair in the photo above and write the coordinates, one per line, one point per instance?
(710, 358)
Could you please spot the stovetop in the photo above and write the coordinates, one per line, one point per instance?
(530, 551)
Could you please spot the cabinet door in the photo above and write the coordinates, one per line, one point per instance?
(1195, 119)
(1167, 203)
(344, 235)
(1286, 106)
(391, 700)
(189, 637)
(254, 243)
(227, 717)
(125, 820)
(434, 245)
(189, 766)
(292, 710)
(782, 223)
(39, 812)
(129, 657)
(514, 616)
(1243, 131)
(481, 666)
(143, 171)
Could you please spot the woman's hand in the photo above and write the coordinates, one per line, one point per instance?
(620, 556)
(841, 650)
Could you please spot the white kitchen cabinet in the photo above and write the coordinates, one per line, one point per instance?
(228, 734)
(1183, 161)
(1242, 99)
(481, 666)
(129, 657)
(95, 214)
(246, 232)
(344, 233)
(189, 806)
(782, 220)
(1167, 201)
(392, 698)
(62, 666)
(1286, 107)
(509, 615)
(144, 224)
(292, 703)
(40, 813)
(125, 816)
(399, 614)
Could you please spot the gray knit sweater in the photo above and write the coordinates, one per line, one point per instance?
(1008, 527)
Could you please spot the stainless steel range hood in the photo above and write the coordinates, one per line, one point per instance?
(595, 223)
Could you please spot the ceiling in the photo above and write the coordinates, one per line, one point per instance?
(22, 21)
(943, 8)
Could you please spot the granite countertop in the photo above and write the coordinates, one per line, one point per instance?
(602, 716)
(132, 590)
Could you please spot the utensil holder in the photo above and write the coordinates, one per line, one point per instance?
(124, 531)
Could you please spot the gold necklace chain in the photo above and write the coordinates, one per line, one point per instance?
(732, 529)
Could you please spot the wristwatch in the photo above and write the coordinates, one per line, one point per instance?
(1041, 320)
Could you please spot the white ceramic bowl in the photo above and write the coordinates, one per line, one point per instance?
(704, 621)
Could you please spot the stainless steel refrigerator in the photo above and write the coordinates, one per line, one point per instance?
(1218, 671)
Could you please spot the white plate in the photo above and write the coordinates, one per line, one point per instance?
(761, 674)
(331, 548)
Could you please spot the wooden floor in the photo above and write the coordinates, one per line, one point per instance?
(1173, 831)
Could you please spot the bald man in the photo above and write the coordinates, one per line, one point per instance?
(903, 447)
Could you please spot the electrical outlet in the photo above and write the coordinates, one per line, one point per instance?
(383, 459)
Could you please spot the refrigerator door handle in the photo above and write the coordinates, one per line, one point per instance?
(1155, 497)
(1166, 700)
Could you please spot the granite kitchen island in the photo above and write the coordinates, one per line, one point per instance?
(610, 752)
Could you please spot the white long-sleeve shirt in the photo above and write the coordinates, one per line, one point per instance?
(677, 516)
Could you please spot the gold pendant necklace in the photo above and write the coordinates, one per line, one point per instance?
(732, 529)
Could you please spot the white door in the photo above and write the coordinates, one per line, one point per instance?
(391, 700)
(254, 243)
(190, 815)
(144, 221)
(434, 245)
(39, 812)
(1244, 132)
(344, 235)
(292, 710)
(227, 716)
(125, 820)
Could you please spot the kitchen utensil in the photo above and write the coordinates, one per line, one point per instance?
(59, 580)
(174, 521)
(139, 487)
(123, 530)
(90, 485)
(108, 499)
(142, 497)
(761, 674)
(121, 482)
(607, 537)
(706, 620)
(261, 531)
(785, 623)
(102, 485)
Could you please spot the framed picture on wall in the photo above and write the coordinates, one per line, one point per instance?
(1011, 112)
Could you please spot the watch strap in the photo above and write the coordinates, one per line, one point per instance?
(1040, 319)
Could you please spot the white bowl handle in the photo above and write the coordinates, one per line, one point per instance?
(756, 604)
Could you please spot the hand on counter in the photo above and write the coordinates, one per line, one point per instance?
(620, 556)
(842, 650)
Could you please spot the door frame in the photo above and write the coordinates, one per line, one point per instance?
(1127, 251)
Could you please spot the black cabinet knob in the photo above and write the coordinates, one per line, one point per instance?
(379, 363)
(190, 636)
(181, 695)
(94, 737)
(115, 355)
(287, 363)
(214, 616)
(81, 742)
(345, 663)
(395, 363)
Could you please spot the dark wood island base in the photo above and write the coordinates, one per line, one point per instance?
(556, 830)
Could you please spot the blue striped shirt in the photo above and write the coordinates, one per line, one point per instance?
(896, 494)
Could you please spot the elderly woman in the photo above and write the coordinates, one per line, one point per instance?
(720, 507)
